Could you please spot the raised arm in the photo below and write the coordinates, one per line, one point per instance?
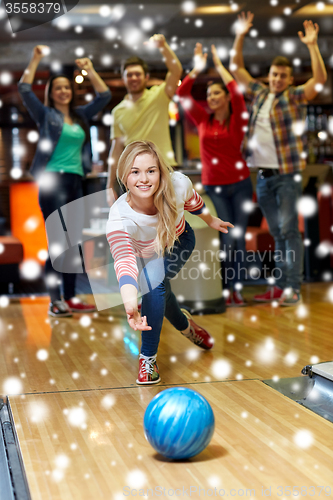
(310, 39)
(200, 61)
(222, 71)
(237, 67)
(172, 62)
(34, 106)
(117, 146)
(37, 55)
(96, 81)
(192, 107)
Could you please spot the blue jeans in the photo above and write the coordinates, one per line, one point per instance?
(68, 187)
(228, 200)
(158, 300)
(277, 197)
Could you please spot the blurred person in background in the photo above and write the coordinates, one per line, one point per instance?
(224, 173)
(143, 114)
(63, 157)
(274, 145)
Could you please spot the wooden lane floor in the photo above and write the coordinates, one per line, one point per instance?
(84, 445)
(40, 354)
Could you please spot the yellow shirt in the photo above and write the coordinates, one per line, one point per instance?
(147, 119)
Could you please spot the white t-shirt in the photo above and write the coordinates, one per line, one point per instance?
(262, 142)
(131, 234)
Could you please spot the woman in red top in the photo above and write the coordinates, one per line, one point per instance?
(225, 176)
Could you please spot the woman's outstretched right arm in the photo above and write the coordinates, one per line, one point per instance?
(125, 265)
(129, 294)
(37, 55)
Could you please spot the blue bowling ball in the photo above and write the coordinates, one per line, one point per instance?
(179, 423)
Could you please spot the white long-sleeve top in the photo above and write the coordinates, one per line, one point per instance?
(131, 235)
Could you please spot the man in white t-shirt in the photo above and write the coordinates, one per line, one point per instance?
(274, 145)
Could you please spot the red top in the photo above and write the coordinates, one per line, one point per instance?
(221, 157)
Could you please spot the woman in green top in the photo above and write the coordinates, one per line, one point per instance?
(62, 158)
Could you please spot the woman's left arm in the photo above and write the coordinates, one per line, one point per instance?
(214, 222)
(85, 64)
(103, 92)
(195, 204)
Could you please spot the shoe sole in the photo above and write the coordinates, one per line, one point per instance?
(60, 315)
(265, 300)
(149, 383)
(291, 305)
(82, 312)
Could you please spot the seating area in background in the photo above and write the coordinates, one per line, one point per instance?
(315, 230)
(11, 255)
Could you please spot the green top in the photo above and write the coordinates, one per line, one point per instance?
(67, 156)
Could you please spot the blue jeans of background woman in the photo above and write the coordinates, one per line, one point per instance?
(64, 188)
(229, 200)
(158, 299)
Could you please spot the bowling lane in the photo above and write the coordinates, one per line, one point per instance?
(42, 354)
(90, 444)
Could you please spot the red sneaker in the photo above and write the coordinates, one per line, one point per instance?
(77, 306)
(148, 370)
(227, 297)
(273, 293)
(198, 335)
(237, 299)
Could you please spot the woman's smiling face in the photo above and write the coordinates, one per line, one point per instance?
(144, 178)
(217, 97)
(61, 91)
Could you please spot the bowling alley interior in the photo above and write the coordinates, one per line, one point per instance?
(75, 425)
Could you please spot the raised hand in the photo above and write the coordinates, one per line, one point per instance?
(156, 41)
(244, 23)
(84, 63)
(311, 33)
(216, 59)
(220, 225)
(200, 59)
(135, 320)
(40, 51)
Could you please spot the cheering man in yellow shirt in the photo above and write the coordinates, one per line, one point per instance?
(143, 113)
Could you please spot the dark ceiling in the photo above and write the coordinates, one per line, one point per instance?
(168, 18)
(181, 30)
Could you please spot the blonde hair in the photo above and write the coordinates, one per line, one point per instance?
(164, 197)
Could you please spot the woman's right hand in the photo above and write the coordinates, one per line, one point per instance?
(135, 320)
(40, 51)
(200, 59)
